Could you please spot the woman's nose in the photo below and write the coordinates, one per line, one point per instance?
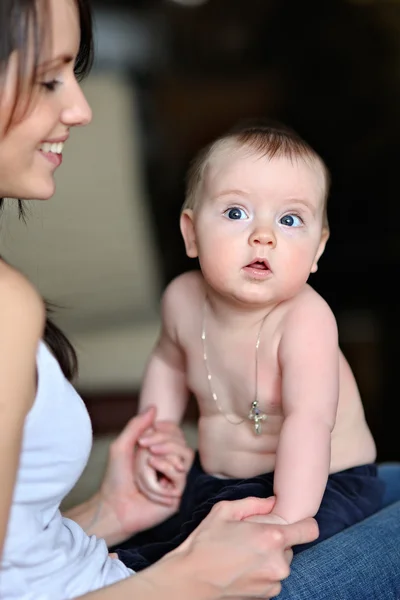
(78, 111)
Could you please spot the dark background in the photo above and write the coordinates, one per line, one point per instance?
(328, 68)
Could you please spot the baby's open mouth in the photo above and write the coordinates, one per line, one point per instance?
(260, 264)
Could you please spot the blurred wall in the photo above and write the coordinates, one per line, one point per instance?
(90, 249)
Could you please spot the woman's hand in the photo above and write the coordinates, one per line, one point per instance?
(229, 557)
(270, 519)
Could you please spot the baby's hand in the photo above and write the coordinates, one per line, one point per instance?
(163, 462)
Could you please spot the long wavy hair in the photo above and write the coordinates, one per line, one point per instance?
(25, 27)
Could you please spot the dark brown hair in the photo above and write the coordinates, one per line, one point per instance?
(21, 21)
(267, 138)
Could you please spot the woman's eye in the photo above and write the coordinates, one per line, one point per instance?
(235, 213)
(291, 221)
(50, 86)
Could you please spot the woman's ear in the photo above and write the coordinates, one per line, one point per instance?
(188, 232)
(321, 248)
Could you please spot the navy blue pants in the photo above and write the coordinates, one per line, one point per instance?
(350, 496)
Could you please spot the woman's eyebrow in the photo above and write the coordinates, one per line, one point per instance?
(63, 59)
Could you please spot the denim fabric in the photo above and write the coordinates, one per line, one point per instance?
(360, 563)
(390, 475)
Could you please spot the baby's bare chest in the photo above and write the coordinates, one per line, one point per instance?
(227, 373)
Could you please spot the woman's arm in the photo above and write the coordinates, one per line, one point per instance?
(22, 317)
(97, 518)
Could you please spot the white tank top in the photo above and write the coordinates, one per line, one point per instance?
(46, 556)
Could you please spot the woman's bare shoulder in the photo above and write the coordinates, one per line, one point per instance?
(22, 318)
(20, 302)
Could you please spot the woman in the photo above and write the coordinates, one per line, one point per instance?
(45, 434)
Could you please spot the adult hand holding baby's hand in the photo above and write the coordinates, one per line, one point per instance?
(120, 510)
(162, 463)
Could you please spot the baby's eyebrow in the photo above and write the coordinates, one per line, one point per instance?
(233, 192)
(304, 202)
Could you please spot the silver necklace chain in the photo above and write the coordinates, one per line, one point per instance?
(254, 414)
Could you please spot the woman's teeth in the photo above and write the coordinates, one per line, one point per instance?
(54, 148)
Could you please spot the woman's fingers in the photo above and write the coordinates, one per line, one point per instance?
(247, 507)
(288, 555)
(301, 532)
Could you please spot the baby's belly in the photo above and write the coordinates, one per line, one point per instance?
(235, 451)
(352, 445)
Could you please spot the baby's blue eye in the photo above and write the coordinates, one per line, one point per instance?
(291, 221)
(235, 213)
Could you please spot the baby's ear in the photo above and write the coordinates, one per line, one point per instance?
(188, 232)
(321, 248)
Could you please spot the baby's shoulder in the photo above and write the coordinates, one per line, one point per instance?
(309, 308)
(185, 290)
(182, 302)
(309, 297)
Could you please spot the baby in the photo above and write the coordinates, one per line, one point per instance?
(280, 412)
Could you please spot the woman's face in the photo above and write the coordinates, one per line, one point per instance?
(31, 148)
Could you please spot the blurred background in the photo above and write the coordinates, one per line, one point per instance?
(170, 76)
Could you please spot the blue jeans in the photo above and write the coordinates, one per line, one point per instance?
(360, 563)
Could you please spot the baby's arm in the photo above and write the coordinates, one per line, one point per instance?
(164, 386)
(164, 383)
(309, 359)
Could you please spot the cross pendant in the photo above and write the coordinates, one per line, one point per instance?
(257, 416)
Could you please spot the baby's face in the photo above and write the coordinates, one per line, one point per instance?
(259, 226)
